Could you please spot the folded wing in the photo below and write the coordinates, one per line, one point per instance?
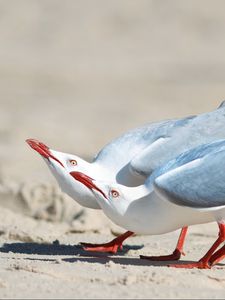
(199, 182)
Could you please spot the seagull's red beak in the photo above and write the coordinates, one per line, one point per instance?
(42, 149)
(87, 181)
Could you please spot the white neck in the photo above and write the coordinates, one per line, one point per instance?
(137, 192)
(75, 189)
(128, 195)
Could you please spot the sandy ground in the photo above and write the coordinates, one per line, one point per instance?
(42, 259)
(75, 74)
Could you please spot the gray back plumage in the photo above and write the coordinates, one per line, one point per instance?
(121, 150)
(202, 129)
(146, 148)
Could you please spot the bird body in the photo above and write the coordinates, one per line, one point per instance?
(158, 206)
(131, 158)
(152, 215)
(185, 191)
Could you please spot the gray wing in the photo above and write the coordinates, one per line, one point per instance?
(202, 129)
(148, 159)
(199, 183)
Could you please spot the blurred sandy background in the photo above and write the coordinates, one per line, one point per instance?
(75, 74)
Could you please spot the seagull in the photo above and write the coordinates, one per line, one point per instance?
(187, 190)
(130, 159)
(113, 163)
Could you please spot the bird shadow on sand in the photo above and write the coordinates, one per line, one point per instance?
(133, 261)
(59, 249)
(80, 255)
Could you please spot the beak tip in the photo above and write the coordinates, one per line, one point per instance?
(35, 143)
(29, 141)
(39, 147)
(42, 149)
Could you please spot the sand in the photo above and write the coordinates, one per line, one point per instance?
(76, 74)
(42, 259)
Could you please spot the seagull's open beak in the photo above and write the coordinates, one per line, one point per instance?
(42, 149)
(87, 181)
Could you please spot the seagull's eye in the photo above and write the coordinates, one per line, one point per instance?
(114, 193)
(73, 162)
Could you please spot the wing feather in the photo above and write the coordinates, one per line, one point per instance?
(199, 183)
(157, 152)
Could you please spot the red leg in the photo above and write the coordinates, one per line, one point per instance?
(176, 253)
(217, 256)
(208, 259)
(111, 246)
